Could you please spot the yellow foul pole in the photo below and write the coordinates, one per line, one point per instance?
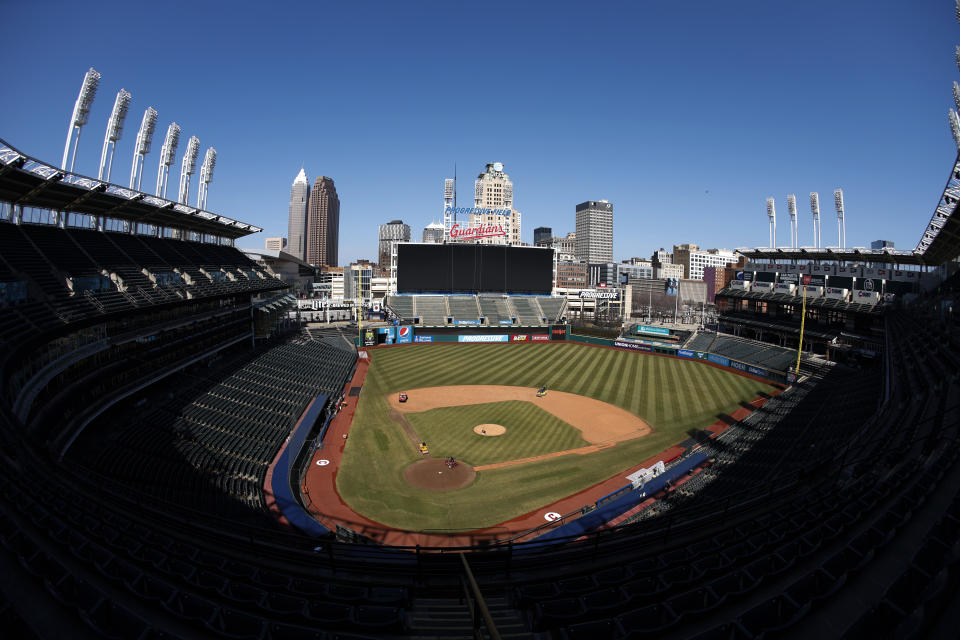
(803, 321)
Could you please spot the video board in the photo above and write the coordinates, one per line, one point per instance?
(473, 268)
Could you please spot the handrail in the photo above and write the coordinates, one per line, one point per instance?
(479, 601)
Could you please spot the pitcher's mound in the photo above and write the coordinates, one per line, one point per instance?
(489, 429)
(432, 474)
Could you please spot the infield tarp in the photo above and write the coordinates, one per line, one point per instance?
(612, 509)
(282, 493)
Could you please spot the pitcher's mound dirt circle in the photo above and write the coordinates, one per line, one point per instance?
(489, 429)
(432, 474)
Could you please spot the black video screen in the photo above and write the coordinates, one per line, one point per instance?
(473, 268)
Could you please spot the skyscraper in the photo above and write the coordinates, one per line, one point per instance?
(433, 232)
(493, 190)
(595, 231)
(323, 223)
(297, 218)
(391, 233)
(542, 235)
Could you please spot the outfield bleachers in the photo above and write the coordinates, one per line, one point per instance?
(495, 310)
(527, 311)
(432, 310)
(553, 308)
(464, 308)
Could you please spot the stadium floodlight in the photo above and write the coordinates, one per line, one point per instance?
(114, 131)
(772, 217)
(142, 148)
(954, 126)
(188, 167)
(206, 177)
(841, 223)
(81, 113)
(167, 153)
(792, 210)
(815, 210)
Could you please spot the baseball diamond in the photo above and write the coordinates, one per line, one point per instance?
(606, 411)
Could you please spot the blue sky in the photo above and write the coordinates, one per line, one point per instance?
(686, 116)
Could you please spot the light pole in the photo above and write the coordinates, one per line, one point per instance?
(113, 134)
(142, 148)
(167, 153)
(81, 114)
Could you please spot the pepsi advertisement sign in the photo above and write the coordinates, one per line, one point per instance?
(404, 334)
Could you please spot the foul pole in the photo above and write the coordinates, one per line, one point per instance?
(803, 321)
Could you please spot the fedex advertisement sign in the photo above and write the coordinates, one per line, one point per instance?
(404, 334)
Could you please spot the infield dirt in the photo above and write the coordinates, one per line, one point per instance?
(599, 422)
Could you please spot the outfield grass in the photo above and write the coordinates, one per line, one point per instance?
(672, 395)
(531, 431)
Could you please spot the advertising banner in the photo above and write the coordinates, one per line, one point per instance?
(635, 346)
(423, 338)
(471, 322)
(540, 337)
(404, 334)
(865, 297)
(818, 281)
(870, 284)
(506, 322)
(718, 359)
(605, 294)
(762, 286)
(660, 331)
(369, 337)
(520, 338)
(686, 353)
(789, 278)
(558, 333)
(387, 335)
(672, 285)
(757, 371)
(739, 366)
(783, 287)
(499, 337)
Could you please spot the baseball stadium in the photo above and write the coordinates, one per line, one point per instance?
(180, 457)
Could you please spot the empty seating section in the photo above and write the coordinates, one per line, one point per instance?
(701, 341)
(210, 445)
(402, 307)
(752, 352)
(70, 274)
(432, 310)
(495, 310)
(527, 311)
(464, 308)
(553, 308)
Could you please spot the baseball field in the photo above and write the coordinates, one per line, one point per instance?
(604, 411)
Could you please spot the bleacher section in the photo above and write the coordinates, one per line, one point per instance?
(700, 341)
(209, 446)
(464, 308)
(529, 310)
(752, 352)
(495, 310)
(73, 274)
(432, 310)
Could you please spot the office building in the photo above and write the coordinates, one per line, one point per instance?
(595, 231)
(323, 223)
(390, 234)
(275, 244)
(542, 236)
(297, 216)
(493, 191)
(433, 232)
(881, 244)
(603, 274)
(693, 259)
(571, 275)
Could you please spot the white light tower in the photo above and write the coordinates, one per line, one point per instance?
(841, 223)
(114, 131)
(772, 216)
(142, 148)
(955, 126)
(206, 177)
(792, 210)
(815, 210)
(188, 168)
(167, 153)
(81, 113)
(449, 189)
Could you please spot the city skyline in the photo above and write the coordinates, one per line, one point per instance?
(740, 103)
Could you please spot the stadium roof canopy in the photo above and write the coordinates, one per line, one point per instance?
(941, 239)
(29, 182)
(833, 254)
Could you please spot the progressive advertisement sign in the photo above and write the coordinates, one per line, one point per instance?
(499, 337)
(404, 334)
